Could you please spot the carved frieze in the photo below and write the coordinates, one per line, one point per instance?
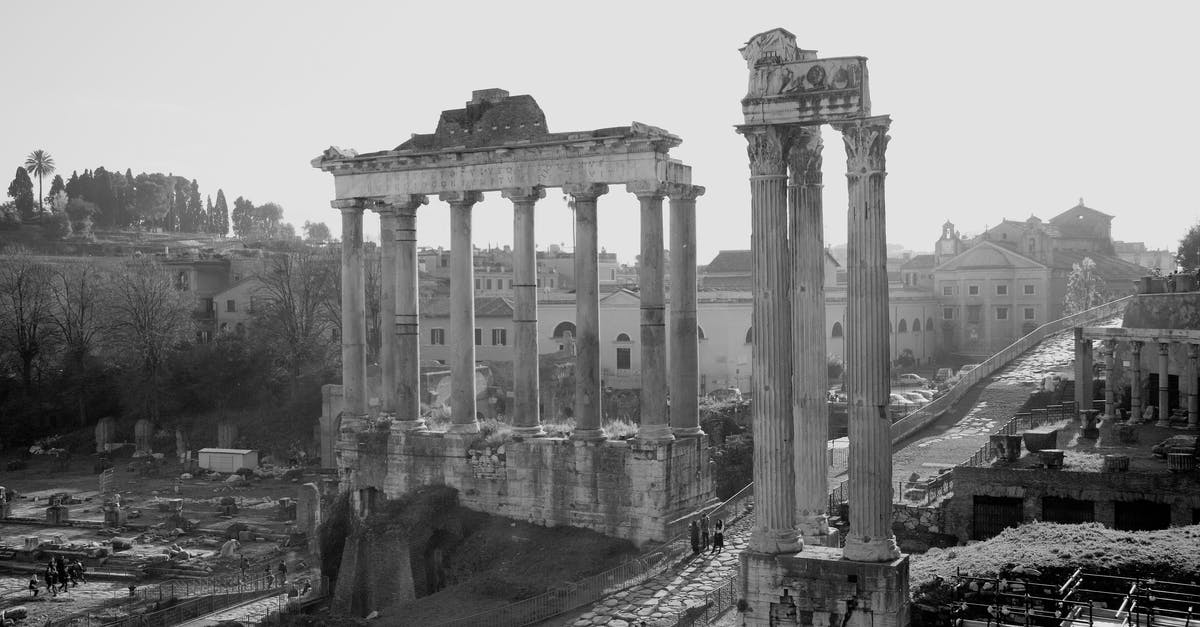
(866, 141)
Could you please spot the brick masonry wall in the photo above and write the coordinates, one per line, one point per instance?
(625, 489)
(1180, 491)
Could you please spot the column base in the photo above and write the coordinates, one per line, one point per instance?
(410, 425)
(871, 550)
(814, 528)
(470, 427)
(587, 435)
(773, 542)
(688, 432)
(534, 431)
(655, 433)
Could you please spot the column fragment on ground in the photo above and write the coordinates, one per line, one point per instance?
(1110, 351)
(526, 418)
(1193, 371)
(587, 312)
(655, 426)
(387, 307)
(811, 373)
(684, 347)
(774, 473)
(462, 313)
(1135, 381)
(354, 321)
(407, 384)
(870, 538)
(1164, 384)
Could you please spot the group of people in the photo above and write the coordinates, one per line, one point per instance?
(700, 536)
(57, 574)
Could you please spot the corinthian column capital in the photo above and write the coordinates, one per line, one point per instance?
(585, 191)
(461, 198)
(767, 148)
(647, 189)
(866, 142)
(680, 191)
(524, 194)
(804, 155)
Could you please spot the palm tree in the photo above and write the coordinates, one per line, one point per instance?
(40, 164)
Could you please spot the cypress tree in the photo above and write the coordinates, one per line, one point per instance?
(195, 210)
(21, 191)
(221, 222)
(210, 223)
(57, 185)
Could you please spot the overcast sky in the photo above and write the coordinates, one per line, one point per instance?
(1000, 110)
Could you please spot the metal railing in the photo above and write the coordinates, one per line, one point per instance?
(716, 602)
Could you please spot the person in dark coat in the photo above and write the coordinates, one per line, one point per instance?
(704, 533)
(694, 532)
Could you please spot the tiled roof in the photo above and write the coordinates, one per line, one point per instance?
(731, 261)
(919, 262)
(1109, 268)
(485, 307)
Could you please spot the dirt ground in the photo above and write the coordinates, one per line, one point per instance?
(141, 496)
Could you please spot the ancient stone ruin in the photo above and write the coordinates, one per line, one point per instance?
(641, 489)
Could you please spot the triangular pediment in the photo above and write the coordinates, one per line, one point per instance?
(988, 255)
(621, 297)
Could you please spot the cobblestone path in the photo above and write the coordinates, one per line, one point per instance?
(252, 611)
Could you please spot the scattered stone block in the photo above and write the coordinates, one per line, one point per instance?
(1038, 440)
(1116, 463)
(1052, 458)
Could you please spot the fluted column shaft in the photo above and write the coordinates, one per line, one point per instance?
(407, 384)
(462, 313)
(526, 419)
(1135, 384)
(684, 347)
(774, 474)
(388, 355)
(1083, 371)
(1164, 384)
(354, 320)
(867, 360)
(587, 312)
(1193, 408)
(1110, 362)
(655, 426)
(811, 373)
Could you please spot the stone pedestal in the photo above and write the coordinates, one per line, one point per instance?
(819, 587)
(58, 514)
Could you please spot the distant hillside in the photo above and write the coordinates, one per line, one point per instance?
(112, 243)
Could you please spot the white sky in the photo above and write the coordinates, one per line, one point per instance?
(999, 110)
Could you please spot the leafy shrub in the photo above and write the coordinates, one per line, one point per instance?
(619, 429)
(732, 465)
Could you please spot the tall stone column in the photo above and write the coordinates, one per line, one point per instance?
(1164, 384)
(1083, 371)
(1193, 407)
(388, 356)
(684, 360)
(354, 320)
(1135, 382)
(462, 313)
(587, 311)
(870, 538)
(655, 425)
(811, 373)
(526, 417)
(774, 473)
(407, 384)
(1110, 362)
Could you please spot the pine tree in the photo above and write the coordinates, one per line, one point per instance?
(85, 187)
(242, 217)
(195, 210)
(102, 197)
(57, 185)
(221, 223)
(21, 191)
(73, 185)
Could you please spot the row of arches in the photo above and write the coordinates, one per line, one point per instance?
(838, 331)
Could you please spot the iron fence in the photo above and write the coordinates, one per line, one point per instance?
(716, 602)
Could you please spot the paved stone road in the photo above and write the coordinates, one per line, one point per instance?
(252, 611)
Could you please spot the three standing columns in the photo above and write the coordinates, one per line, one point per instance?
(870, 538)
(810, 374)
(774, 475)
(354, 321)
(525, 358)
(685, 388)
(587, 311)
(462, 312)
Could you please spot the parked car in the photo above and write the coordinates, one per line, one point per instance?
(962, 372)
(943, 374)
(911, 380)
(916, 397)
(926, 393)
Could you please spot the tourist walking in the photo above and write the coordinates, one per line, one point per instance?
(33, 586)
(704, 532)
(282, 574)
(245, 563)
(718, 542)
(694, 533)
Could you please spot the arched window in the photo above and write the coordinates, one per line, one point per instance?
(916, 325)
(564, 329)
(750, 335)
(837, 330)
(700, 332)
(623, 337)
(928, 324)
(903, 326)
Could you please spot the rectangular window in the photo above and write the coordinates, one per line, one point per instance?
(974, 313)
(478, 283)
(510, 284)
(479, 337)
(623, 358)
(947, 290)
(972, 290)
(499, 337)
(437, 337)
(539, 283)
(1029, 290)
(489, 284)
(231, 306)
(209, 306)
(1002, 313)
(947, 313)
(1029, 314)
(1001, 290)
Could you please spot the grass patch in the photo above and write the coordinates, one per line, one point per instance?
(619, 429)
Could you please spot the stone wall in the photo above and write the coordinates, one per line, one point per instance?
(1180, 491)
(918, 529)
(625, 489)
(1163, 311)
